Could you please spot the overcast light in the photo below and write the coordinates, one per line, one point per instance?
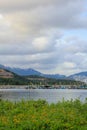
(46, 35)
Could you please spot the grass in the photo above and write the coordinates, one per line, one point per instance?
(39, 115)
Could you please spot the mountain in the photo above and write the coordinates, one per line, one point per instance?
(30, 71)
(9, 78)
(17, 76)
(55, 76)
(24, 72)
(82, 76)
(2, 66)
(27, 72)
(6, 74)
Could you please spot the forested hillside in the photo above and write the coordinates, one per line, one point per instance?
(10, 78)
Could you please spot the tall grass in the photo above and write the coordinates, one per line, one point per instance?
(39, 115)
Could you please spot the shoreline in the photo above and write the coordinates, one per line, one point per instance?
(41, 87)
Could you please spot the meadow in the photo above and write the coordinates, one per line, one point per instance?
(40, 115)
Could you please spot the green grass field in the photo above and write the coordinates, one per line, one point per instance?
(39, 115)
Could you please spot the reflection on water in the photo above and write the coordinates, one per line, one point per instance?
(50, 95)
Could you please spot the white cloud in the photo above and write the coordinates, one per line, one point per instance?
(41, 43)
(33, 34)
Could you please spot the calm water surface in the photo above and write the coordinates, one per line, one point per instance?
(50, 95)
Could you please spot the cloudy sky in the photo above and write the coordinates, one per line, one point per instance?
(47, 35)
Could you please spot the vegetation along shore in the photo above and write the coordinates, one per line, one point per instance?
(39, 115)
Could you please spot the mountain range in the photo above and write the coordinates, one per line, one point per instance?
(30, 71)
(82, 76)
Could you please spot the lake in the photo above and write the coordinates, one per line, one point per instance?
(50, 95)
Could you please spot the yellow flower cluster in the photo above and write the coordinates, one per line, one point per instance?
(4, 120)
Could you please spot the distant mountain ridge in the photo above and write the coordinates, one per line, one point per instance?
(30, 71)
(82, 76)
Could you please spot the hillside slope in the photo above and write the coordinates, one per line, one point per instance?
(82, 76)
(10, 78)
(6, 74)
(30, 71)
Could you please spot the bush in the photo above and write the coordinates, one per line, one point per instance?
(39, 115)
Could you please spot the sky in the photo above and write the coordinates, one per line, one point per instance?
(47, 35)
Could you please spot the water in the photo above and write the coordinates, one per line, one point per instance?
(50, 95)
